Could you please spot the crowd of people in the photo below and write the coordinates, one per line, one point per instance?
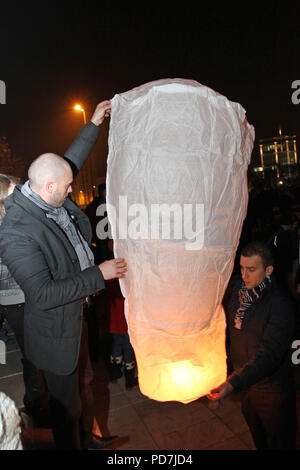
(52, 278)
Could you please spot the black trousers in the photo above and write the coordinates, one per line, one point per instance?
(271, 418)
(72, 402)
(36, 397)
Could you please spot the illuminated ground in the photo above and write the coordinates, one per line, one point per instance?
(143, 423)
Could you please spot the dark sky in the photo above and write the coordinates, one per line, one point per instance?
(54, 54)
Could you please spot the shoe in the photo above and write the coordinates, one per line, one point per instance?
(100, 442)
(115, 371)
(130, 379)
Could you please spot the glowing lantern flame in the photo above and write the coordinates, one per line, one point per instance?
(176, 142)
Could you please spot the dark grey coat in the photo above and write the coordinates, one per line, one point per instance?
(261, 351)
(44, 264)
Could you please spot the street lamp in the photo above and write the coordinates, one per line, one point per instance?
(78, 107)
(85, 177)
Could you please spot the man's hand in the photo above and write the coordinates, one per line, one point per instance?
(113, 268)
(102, 111)
(220, 392)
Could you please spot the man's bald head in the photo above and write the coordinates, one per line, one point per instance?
(51, 177)
(46, 167)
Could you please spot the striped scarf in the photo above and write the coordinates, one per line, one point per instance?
(61, 216)
(246, 299)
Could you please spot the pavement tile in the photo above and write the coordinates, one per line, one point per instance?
(13, 363)
(13, 387)
(165, 417)
(234, 421)
(234, 443)
(199, 436)
(37, 439)
(11, 343)
(143, 443)
(113, 402)
(126, 423)
(135, 395)
(247, 439)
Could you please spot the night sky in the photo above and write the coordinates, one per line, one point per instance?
(54, 54)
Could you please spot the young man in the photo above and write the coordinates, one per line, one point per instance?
(45, 244)
(260, 320)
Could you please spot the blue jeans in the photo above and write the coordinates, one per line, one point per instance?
(121, 346)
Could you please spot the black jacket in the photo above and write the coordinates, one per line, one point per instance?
(260, 352)
(44, 263)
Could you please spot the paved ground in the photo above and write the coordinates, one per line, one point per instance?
(144, 424)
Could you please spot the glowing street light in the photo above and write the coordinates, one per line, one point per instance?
(78, 107)
(84, 179)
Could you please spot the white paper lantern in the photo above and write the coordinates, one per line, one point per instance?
(177, 197)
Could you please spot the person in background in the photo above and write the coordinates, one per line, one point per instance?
(99, 246)
(12, 299)
(284, 247)
(261, 322)
(98, 305)
(122, 358)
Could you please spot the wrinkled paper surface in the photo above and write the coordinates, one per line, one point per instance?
(176, 141)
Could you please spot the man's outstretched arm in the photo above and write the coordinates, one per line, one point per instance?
(81, 147)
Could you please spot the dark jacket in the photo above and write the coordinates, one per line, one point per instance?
(260, 352)
(44, 264)
(10, 292)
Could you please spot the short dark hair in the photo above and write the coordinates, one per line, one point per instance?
(259, 249)
(5, 182)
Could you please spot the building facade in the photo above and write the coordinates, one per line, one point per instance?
(278, 158)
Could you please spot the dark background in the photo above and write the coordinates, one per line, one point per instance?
(54, 54)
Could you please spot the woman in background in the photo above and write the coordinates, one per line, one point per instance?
(12, 310)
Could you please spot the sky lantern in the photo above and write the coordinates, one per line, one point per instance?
(176, 200)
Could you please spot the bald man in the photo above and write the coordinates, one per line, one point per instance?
(51, 177)
(44, 241)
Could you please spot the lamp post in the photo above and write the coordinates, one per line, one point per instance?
(78, 107)
(86, 173)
